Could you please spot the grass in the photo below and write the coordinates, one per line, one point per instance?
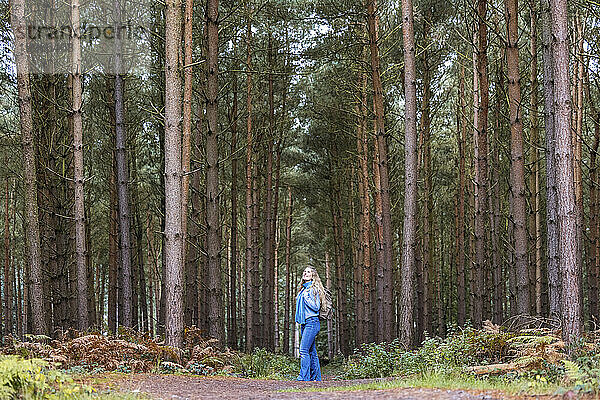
(107, 386)
(445, 381)
(120, 396)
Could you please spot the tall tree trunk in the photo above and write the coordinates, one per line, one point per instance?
(232, 325)
(577, 137)
(376, 303)
(194, 288)
(277, 231)
(122, 185)
(113, 244)
(410, 184)
(594, 258)
(567, 213)
(154, 280)
(250, 294)
(364, 279)
(340, 254)
(268, 273)
(256, 284)
(288, 244)
(189, 270)
(554, 277)
(494, 204)
(276, 343)
(79, 208)
(385, 282)
(27, 325)
(19, 298)
(213, 227)
(472, 184)
(594, 263)
(481, 97)
(187, 119)
(141, 291)
(173, 243)
(91, 283)
(517, 170)
(329, 320)
(7, 269)
(440, 279)
(17, 14)
(427, 238)
(535, 159)
(460, 243)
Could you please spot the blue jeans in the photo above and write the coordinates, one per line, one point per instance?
(310, 369)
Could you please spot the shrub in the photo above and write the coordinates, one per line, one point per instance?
(373, 360)
(582, 371)
(262, 364)
(32, 379)
(460, 349)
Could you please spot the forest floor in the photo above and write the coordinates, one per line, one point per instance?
(182, 387)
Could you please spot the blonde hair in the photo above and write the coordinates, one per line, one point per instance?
(317, 285)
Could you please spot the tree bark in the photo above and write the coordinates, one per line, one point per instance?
(213, 227)
(594, 258)
(122, 184)
(517, 170)
(364, 279)
(535, 159)
(481, 168)
(256, 281)
(385, 281)
(194, 289)
(276, 343)
(577, 139)
(7, 311)
(288, 244)
(554, 277)
(268, 272)
(340, 255)
(494, 204)
(567, 212)
(250, 294)
(427, 220)
(232, 326)
(376, 303)
(113, 244)
(140, 281)
(189, 266)
(17, 14)
(481, 95)
(460, 243)
(329, 320)
(410, 184)
(79, 208)
(173, 226)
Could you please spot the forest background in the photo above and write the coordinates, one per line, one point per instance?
(436, 184)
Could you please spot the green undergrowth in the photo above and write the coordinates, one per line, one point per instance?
(449, 382)
(265, 365)
(534, 362)
(34, 379)
(460, 349)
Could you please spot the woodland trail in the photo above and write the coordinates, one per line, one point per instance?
(177, 387)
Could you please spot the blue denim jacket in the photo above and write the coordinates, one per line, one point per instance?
(308, 303)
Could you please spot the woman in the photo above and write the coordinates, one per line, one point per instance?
(308, 304)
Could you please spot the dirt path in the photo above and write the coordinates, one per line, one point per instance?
(175, 387)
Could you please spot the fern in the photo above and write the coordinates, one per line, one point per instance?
(573, 372)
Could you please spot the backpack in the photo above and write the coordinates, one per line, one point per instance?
(326, 311)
